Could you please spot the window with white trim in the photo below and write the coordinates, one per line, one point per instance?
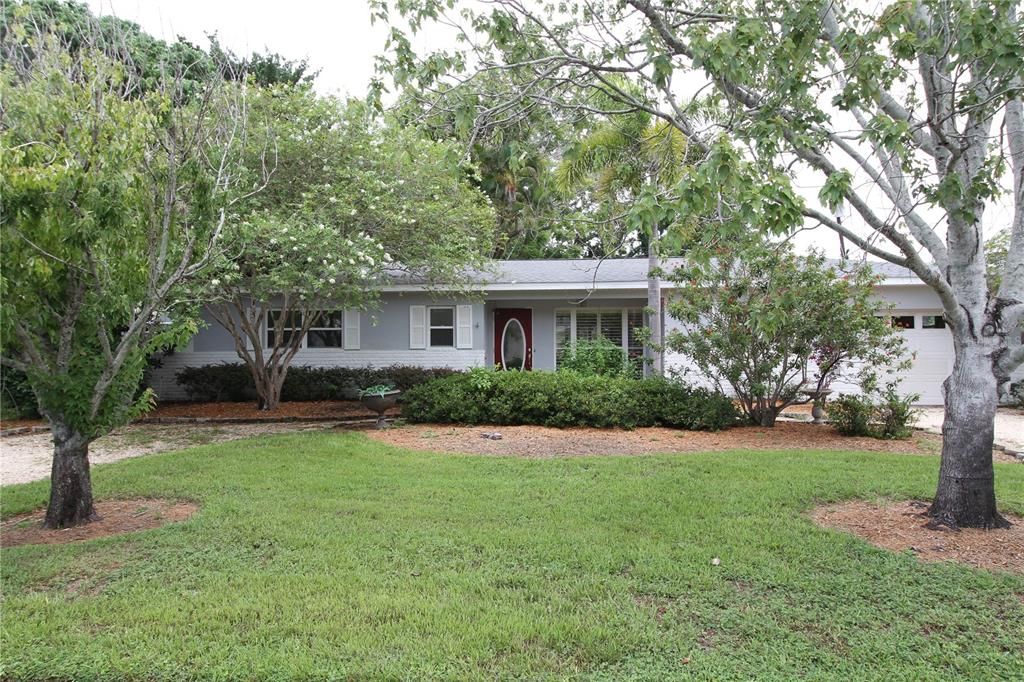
(326, 332)
(441, 326)
(618, 325)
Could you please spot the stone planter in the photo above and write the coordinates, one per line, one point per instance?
(381, 403)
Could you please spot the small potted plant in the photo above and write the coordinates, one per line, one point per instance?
(379, 398)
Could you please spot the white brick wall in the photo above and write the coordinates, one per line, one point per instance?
(162, 378)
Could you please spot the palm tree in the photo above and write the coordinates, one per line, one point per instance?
(622, 158)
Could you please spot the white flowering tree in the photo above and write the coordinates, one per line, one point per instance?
(349, 203)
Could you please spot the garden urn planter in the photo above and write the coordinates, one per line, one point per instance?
(380, 403)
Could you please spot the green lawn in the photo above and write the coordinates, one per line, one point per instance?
(331, 556)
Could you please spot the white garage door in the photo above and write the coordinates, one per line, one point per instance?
(932, 345)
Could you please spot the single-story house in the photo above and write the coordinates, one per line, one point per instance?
(526, 311)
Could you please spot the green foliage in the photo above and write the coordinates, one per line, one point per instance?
(768, 324)
(233, 382)
(877, 413)
(17, 400)
(566, 398)
(107, 213)
(851, 414)
(446, 566)
(598, 357)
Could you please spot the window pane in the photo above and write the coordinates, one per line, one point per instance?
(611, 326)
(323, 338)
(329, 319)
(903, 321)
(586, 326)
(442, 337)
(293, 321)
(933, 322)
(563, 329)
(442, 317)
(285, 337)
(635, 321)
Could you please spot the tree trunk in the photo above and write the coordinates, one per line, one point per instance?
(966, 495)
(70, 483)
(653, 352)
(268, 390)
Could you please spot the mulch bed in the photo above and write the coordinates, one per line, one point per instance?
(543, 442)
(901, 526)
(321, 410)
(116, 517)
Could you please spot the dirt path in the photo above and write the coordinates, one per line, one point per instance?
(27, 458)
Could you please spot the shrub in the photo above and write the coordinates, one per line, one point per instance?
(851, 415)
(233, 382)
(895, 415)
(17, 400)
(599, 357)
(566, 398)
(889, 415)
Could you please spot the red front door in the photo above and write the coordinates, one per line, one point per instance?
(513, 338)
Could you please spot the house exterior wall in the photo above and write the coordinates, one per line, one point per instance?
(384, 340)
(385, 337)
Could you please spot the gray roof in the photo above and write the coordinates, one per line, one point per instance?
(574, 271)
(586, 272)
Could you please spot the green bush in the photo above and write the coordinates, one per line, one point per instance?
(889, 416)
(17, 400)
(895, 415)
(851, 415)
(599, 357)
(233, 383)
(566, 398)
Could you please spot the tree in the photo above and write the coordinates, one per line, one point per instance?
(770, 325)
(625, 159)
(911, 114)
(511, 153)
(113, 203)
(349, 205)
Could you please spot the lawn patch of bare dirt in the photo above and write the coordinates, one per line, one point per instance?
(539, 442)
(902, 526)
(543, 442)
(116, 517)
(298, 411)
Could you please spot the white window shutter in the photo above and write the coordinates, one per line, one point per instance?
(417, 326)
(351, 331)
(464, 317)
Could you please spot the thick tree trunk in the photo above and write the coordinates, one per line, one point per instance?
(966, 494)
(70, 483)
(653, 352)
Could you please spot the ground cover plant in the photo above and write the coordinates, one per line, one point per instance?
(330, 556)
(566, 398)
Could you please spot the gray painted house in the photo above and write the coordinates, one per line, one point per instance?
(526, 311)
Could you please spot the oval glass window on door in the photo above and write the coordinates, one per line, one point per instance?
(513, 346)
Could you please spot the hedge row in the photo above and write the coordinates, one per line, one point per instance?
(233, 383)
(566, 398)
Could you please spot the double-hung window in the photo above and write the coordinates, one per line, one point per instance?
(441, 326)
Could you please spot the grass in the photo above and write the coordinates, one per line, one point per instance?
(330, 556)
